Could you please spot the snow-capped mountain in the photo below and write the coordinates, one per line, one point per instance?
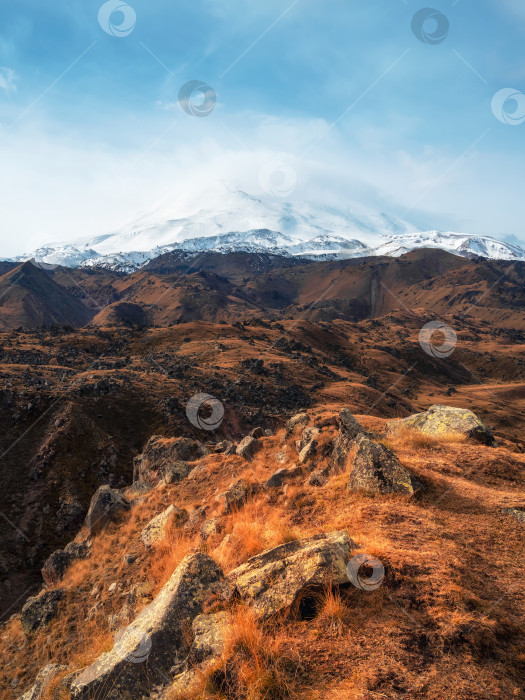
(226, 219)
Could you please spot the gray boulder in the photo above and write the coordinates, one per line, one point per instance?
(42, 681)
(161, 454)
(236, 495)
(106, 505)
(247, 447)
(157, 528)
(58, 563)
(208, 646)
(349, 430)
(307, 436)
(376, 469)
(349, 426)
(278, 478)
(517, 513)
(39, 610)
(156, 643)
(299, 420)
(274, 580)
(440, 420)
(308, 452)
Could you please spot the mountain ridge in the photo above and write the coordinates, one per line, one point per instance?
(227, 220)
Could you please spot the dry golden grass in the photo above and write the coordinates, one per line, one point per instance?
(445, 623)
(258, 663)
(254, 528)
(409, 438)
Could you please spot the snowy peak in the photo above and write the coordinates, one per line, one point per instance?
(228, 220)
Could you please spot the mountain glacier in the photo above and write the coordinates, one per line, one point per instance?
(226, 219)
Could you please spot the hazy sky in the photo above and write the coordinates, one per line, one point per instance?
(91, 131)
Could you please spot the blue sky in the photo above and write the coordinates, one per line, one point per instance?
(91, 131)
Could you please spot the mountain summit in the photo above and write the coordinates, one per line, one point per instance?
(225, 219)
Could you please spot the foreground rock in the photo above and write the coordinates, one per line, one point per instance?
(42, 681)
(376, 469)
(164, 458)
(248, 447)
(208, 646)
(349, 430)
(58, 563)
(440, 420)
(39, 610)
(274, 580)
(106, 505)
(157, 529)
(156, 644)
(236, 495)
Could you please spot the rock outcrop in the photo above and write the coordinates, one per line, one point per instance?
(208, 646)
(377, 469)
(516, 513)
(58, 563)
(275, 579)
(440, 420)
(42, 681)
(299, 420)
(163, 458)
(247, 447)
(106, 505)
(157, 528)
(349, 430)
(236, 495)
(159, 635)
(39, 610)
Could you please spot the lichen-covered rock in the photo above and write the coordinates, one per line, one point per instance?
(273, 580)
(300, 419)
(208, 646)
(278, 478)
(236, 495)
(225, 447)
(307, 436)
(156, 643)
(440, 420)
(349, 430)
(517, 513)
(58, 563)
(39, 610)
(161, 456)
(349, 426)
(377, 469)
(308, 452)
(42, 681)
(136, 491)
(210, 527)
(106, 505)
(247, 447)
(157, 528)
(208, 642)
(317, 478)
(177, 472)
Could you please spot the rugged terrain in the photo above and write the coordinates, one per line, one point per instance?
(269, 338)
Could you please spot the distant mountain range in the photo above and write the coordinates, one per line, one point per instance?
(227, 220)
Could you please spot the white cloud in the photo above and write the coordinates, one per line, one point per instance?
(62, 186)
(7, 80)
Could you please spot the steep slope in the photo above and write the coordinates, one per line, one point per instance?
(246, 286)
(30, 298)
